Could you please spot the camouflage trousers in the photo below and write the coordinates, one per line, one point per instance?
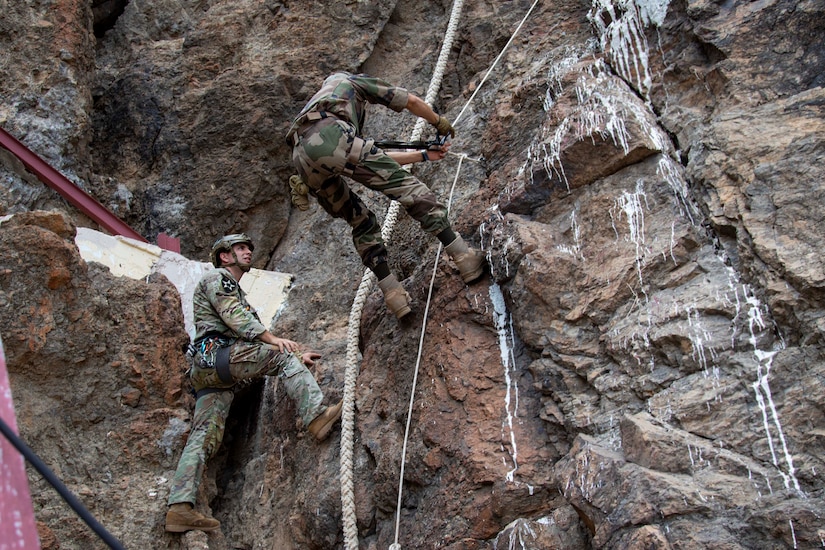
(328, 149)
(247, 360)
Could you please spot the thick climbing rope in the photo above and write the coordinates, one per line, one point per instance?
(348, 413)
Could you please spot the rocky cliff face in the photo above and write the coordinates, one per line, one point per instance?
(643, 368)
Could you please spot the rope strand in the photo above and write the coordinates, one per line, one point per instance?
(493, 66)
(395, 545)
(348, 414)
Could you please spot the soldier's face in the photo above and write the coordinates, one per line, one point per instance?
(243, 253)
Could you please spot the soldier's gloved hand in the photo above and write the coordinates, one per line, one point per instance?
(298, 191)
(443, 127)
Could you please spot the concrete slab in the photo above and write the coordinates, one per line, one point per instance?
(266, 290)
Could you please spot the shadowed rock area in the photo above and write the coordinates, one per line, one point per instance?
(641, 368)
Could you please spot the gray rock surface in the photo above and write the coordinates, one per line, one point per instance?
(643, 368)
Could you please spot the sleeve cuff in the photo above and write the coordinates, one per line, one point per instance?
(254, 332)
(399, 100)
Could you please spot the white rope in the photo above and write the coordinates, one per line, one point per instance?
(396, 545)
(348, 414)
(493, 66)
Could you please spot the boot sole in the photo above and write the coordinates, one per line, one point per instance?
(185, 528)
(402, 312)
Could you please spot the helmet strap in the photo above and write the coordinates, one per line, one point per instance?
(244, 268)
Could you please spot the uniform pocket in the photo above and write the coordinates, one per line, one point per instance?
(292, 367)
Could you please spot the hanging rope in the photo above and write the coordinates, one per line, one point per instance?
(395, 545)
(348, 414)
(493, 66)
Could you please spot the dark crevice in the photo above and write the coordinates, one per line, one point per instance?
(237, 450)
(106, 13)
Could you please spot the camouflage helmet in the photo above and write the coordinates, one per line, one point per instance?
(225, 243)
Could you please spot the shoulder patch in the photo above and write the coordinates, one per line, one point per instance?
(228, 284)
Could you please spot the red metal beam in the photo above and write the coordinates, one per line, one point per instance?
(169, 243)
(17, 524)
(75, 195)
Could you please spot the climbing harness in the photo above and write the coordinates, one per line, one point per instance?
(368, 279)
(209, 347)
(212, 352)
(299, 190)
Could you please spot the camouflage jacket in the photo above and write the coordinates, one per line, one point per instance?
(346, 95)
(220, 306)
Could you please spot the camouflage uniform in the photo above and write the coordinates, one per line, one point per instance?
(327, 144)
(222, 316)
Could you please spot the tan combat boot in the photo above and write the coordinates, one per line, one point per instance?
(323, 423)
(397, 299)
(470, 262)
(183, 517)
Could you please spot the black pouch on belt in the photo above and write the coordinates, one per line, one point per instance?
(222, 364)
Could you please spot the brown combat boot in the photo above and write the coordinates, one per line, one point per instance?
(470, 262)
(183, 517)
(323, 423)
(397, 299)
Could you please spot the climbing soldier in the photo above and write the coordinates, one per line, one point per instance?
(327, 144)
(232, 346)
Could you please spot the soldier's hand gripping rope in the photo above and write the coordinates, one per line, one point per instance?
(443, 127)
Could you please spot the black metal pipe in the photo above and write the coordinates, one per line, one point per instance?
(62, 490)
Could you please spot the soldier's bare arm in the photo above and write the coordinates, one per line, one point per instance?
(410, 157)
(282, 343)
(419, 108)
